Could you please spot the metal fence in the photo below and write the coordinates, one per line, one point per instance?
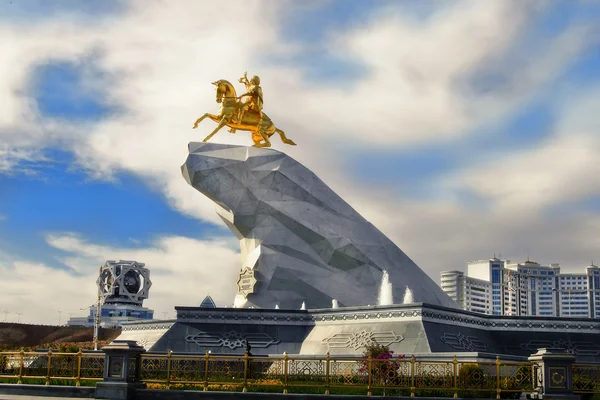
(586, 378)
(49, 366)
(299, 374)
(296, 374)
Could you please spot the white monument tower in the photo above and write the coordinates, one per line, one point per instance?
(122, 288)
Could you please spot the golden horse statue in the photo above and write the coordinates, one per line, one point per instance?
(261, 129)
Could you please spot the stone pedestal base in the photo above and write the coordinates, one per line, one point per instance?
(117, 390)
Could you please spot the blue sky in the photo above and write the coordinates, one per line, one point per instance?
(76, 90)
(32, 11)
(63, 199)
(60, 93)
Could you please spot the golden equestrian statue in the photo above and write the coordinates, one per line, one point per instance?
(243, 113)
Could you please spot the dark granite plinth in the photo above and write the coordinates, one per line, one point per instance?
(406, 329)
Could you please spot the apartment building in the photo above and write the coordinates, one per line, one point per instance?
(499, 287)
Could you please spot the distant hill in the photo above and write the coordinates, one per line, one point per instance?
(15, 335)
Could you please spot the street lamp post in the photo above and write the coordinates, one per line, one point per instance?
(98, 311)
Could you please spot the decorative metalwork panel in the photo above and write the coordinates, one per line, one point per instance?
(586, 378)
(391, 372)
(35, 364)
(348, 372)
(306, 372)
(476, 376)
(434, 375)
(10, 364)
(232, 339)
(188, 369)
(154, 368)
(64, 366)
(92, 366)
(265, 368)
(516, 377)
(225, 369)
(361, 339)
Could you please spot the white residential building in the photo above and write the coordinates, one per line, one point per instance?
(499, 287)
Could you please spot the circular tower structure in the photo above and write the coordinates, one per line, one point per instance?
(123, 282)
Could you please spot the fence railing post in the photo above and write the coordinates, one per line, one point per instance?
(78, 378)
(412, 375)
(554, 373)
(21, 362)
(49, 367)
(327, 359)
(498, 389)
(169, 355)
(285, 372)
(206, 364)
(370, 375)
(122, 370)
(455, 364)
(245, 388)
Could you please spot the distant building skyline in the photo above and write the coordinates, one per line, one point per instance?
(499, 287)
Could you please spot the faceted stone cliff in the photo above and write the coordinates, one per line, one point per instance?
(304, 242)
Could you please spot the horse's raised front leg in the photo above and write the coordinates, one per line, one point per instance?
(221, 124)
(284, 138)
(207, 115)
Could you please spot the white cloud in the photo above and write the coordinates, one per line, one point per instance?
(563, 169)
(183, 272)
(161, 58)
(13, 159)
(419, 86)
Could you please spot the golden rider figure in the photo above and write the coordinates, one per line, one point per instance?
(255, 101)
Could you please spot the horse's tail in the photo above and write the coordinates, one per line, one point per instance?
(284, 138)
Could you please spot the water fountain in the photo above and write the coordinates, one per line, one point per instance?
(408, 296)
(277, 306)
(303, 306)
(334, 303)
(385, 297)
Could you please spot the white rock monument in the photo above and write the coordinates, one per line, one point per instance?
(300, 241)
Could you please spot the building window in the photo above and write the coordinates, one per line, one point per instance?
(495, 276)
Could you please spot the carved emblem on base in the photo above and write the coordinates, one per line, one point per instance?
(246, 282)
